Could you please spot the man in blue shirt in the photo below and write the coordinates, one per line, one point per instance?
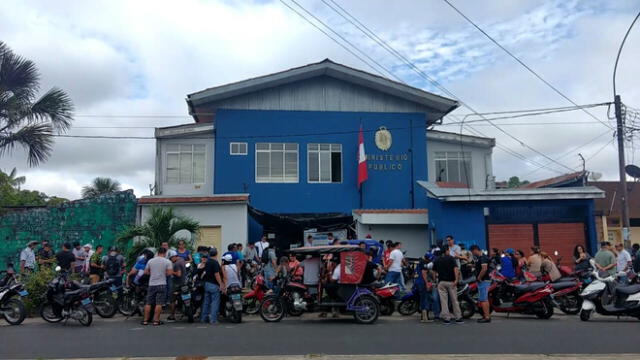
(507, 264)
(233, 251)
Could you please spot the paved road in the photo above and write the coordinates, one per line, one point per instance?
(392, 335)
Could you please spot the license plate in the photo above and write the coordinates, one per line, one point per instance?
(237, 305)
(186, 296)
(235, 297)
(23, 293)
(114, 288)
(86, 301)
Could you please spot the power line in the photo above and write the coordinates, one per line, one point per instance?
(531, 124)
(600, 150)
(544, 110)
(369, 33)
(522, 63)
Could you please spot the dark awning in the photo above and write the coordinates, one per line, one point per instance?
(320, 221)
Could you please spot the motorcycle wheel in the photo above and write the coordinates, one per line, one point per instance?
(188, 312)
(547, 310)
(128, 305)
(235, 316)
(387, 307)
(252, 306)
(408, 307)
(47, 313)
(370, 310)
(585, 315)
(295, 312)
(571, 304)
(14, 312)
(105, 305)
(272, 309)
(86, 318)
(468, 308)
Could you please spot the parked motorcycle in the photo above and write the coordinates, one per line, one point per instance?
(386, 296)
(231, 304)
(132, 300)
(466, 291)
(252, 299)
(105, 298)
(11, 294)
(410, 302)
(66, 300)
(529, 298)
(607, 297)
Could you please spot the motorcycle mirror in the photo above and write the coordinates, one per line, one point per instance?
(592, 262)
(499, 267)
(555, 253)
(188, 265)
(58, 268)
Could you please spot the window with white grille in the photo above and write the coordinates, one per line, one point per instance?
(185, 164)
(276, 163)
(324, 163)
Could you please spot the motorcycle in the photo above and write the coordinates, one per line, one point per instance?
(66, 300)
(252, 299)
(183, 298)
(529, 298)
(105, 298)
(252, 269)
(11, 294)
(231, 304)
(133, 300)
(607, 297)
(410, 303)
(386, 295)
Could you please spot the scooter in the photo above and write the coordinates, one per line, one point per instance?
(386, 295)
(530, 298)
(231, 304)
(606, 297)
(11, 294)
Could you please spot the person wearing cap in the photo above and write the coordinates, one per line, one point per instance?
(45, 256)
(28, 258)
(88, 249)
(179, 275)
(606, 259)
(114, 265)
(424, 281)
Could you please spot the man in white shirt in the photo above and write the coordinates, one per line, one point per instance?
(311, 276)
(261, 245)
(394, 274)
(623, 263)
(28, 258)
(454, 249)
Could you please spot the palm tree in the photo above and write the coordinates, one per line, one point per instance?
(25, 120)
(161, 226)
(99, 186)
(14, 180)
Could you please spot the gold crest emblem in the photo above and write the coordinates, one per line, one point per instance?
(383, 138)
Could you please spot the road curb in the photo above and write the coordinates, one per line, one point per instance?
(391, 357)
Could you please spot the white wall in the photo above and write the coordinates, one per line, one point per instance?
(481, 161)
(232, 218)
(414, 238)
(184, 189)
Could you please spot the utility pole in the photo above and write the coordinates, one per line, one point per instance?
(623, 176)
(617, 102)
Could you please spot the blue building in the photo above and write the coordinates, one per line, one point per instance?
(277, 154)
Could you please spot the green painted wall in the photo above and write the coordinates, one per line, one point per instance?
(96, 221)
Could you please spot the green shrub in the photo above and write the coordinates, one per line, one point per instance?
(36, 284)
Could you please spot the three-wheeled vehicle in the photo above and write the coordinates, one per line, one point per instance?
(348, 295)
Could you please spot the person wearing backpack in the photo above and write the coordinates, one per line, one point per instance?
(113, 264)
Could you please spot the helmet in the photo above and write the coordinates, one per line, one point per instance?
(171, 253)
(509, 251)
(228, 258)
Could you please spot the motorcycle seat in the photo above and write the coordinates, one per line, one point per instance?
(628, 290)
(562, 285)
(529, 287)
(565, 279)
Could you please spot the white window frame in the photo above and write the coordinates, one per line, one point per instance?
(461, 157)
(284, 179)
(246, 148)
(179, 152)
(330, 151)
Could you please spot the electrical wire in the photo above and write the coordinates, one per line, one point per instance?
(421, 73)
(522, 63)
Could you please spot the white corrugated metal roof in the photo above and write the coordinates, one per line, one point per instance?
(457, 194)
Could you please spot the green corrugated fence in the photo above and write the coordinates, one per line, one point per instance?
(96, 221)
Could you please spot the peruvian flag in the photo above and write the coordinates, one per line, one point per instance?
(362, 160)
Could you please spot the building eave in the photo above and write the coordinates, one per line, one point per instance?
(193, 200)
(391, 216)
(456, 138)
(440, 104)
(205, 129)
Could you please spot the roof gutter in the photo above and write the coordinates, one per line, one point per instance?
(192, 109)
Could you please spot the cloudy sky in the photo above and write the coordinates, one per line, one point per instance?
(120, 60)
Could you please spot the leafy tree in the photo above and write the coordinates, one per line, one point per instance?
(12, 195)
(15, 180)
(25, 120)
(100, 186)
(161, 226)
(515, 182)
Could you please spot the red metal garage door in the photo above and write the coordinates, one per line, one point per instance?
(562, 238)
(514, 236)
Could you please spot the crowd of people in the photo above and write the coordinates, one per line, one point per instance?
(436, 275)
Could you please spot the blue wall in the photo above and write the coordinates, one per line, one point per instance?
(467, 223)
(384, 189)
